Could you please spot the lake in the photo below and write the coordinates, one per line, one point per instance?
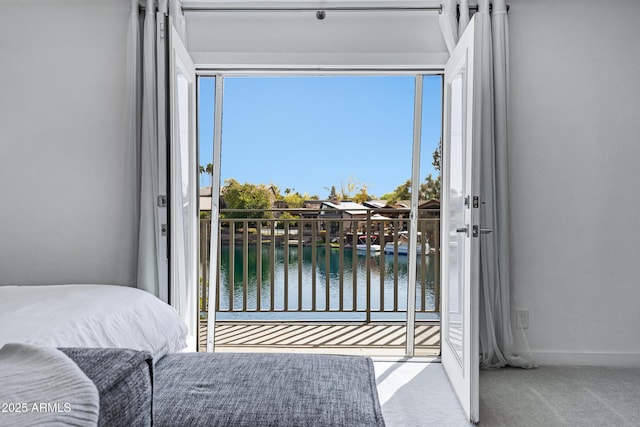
(382, 279)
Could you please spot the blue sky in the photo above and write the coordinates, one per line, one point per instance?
(309, 133)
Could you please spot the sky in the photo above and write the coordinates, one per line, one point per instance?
(309, 133)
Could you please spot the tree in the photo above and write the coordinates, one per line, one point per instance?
(333, 195)
(362, 195)
(349, 188)
(402, 192)
(295, 199)
(430, 189)
(200, 172)
(352, 189)
(209, 171)
(246, 196)
(437, 156)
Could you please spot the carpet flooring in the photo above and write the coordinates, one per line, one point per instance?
(560, 396)
(418, 394)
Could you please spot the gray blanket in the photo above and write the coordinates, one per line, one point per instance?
(42, 386)
(253, 389)
(123, 379)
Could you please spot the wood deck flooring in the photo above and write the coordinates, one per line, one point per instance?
(363, 339)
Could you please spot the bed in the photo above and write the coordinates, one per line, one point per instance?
(127, 343)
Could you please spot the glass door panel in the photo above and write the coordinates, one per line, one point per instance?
(455, 211)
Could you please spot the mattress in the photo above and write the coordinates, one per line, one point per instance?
(92, 316)
(124, 382)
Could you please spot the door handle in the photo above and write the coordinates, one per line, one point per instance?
(486, 231)
(464, 230)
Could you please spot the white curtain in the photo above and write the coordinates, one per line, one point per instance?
(490, 131)
(147, 102)
(175, 11)
(145, 114)
(132, 112)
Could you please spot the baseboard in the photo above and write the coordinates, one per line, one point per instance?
(573, 358)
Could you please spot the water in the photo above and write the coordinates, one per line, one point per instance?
(382, 278)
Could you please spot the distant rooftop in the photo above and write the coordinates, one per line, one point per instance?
(352, 208)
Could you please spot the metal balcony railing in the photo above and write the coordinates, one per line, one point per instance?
(319, 265)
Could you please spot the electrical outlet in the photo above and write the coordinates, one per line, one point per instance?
(522, 319)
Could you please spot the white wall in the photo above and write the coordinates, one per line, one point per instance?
(343, 39)
(574, 174)
(574, 152)
(62, 150)
(574, 147)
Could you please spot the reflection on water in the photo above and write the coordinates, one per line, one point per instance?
(382, 277)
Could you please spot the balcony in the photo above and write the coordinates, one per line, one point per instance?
(330, 281)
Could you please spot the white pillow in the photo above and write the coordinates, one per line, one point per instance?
(106, 316)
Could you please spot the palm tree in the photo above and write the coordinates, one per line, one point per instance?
(201, 170)
(209, 170)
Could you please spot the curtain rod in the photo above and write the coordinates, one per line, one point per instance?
(194, 8)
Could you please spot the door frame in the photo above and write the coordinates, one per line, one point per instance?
(221, 73)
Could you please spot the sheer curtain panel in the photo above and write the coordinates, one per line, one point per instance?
(149, 223)
(147, 105)
(132, 112)
(490, 132)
